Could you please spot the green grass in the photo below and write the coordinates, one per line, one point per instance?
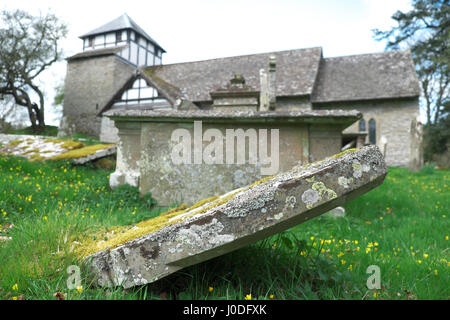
(51, 131)
(404, 223)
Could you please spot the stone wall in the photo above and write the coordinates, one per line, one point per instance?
(90, 83)
(393, 121)
(108, 131)
(293, 103)
(170, 183)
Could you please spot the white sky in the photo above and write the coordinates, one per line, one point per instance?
(203, 29)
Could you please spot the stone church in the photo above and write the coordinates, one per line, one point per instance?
(120, 71)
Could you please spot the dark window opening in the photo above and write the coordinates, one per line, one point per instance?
(372, 132)
(362, 125)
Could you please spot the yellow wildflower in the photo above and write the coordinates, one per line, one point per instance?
(248, 297)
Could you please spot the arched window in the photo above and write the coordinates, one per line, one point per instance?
(362, 125)
(372, 131)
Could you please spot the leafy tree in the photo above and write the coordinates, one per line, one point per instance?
(59, 97)
(426, 31)
(28, 46)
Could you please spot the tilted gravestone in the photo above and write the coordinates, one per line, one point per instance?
(157, 247)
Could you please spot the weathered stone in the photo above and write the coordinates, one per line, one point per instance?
(146, 146)
(217, 226)
(66, 129)
(97, 155)
(416, 146)
(272, 83)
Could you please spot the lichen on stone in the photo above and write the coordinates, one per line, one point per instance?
(81, 152)
(340, 154)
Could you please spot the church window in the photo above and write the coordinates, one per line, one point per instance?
(142, 56)
(140, 93)
(362, 125)
(372, 131)
(150, 47)
(133, 53)
(149, 59)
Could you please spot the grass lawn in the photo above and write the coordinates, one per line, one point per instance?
(47, 131)
(52, 131)
(402, 227)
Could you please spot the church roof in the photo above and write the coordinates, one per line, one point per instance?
(382, 75)
(296, 73)
(301, 72)
(120, 23)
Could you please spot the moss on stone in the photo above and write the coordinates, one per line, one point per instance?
(14, 143)
(81, 152)
(67, 144)
(340, 154)
(117, 236)
(36, 157)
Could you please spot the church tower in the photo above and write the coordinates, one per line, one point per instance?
(110, 55)
(133, 44)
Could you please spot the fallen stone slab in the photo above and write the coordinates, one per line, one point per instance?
(97, 155)
(48, 148)
(155, 248)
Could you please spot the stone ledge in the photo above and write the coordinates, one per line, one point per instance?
(237, 115)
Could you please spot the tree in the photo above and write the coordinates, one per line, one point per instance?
(11, 115)
(28, 46)
(426, 31)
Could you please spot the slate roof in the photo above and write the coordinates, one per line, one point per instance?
(382, 75)
(97, 53)
(120, 23)
(296, 73)
(301, 72)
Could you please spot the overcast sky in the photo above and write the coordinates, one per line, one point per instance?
(203, 29)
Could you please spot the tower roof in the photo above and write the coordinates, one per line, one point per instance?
(120, 23)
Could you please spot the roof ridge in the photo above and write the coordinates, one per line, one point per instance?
(230, 57)
(367, 54)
